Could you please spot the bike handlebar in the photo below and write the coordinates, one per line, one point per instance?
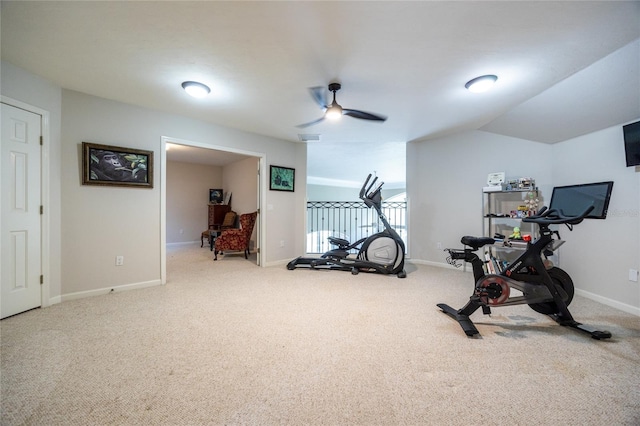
(547, 216)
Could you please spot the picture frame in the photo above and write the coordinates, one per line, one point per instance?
(282, 179)
(110, 165)
(216, 196)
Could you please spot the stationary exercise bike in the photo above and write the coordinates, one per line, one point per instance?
(547, 290)
(381, 253)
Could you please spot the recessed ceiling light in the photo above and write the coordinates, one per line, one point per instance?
(481, 84)
(195, 89)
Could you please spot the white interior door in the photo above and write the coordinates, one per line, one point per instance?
(20, 248)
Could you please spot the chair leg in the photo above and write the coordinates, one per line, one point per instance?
(215, 255)
(201, 240)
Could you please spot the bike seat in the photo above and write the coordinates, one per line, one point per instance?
(476, 242)
(340, 242)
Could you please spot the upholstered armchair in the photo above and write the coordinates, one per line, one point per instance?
(210, 234)
(237, 239)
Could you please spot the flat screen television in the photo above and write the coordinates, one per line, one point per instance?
(631, 134)
(572, 200)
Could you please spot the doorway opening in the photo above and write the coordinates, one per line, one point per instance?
(240, 170)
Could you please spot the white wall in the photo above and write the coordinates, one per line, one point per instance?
(188, 198)
(241, 179)
(99, 223)
(599, 253)
(445, 179)
(188, 193)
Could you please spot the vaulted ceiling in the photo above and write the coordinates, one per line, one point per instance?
(564, 68)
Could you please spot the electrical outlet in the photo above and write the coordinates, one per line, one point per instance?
(281, 243)
(633, 275)
(119, 260)
(439, 245)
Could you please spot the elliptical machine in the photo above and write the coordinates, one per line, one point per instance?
(381, 253)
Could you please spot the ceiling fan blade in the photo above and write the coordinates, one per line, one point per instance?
(363, 115)
(311, 123)
(317, 93)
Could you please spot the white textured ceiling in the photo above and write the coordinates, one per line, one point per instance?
(406, 60)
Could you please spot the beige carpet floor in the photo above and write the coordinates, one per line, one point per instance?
(229, 343)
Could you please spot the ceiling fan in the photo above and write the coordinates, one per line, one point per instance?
(334, 110)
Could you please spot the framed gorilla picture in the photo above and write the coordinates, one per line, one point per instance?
(117, 166)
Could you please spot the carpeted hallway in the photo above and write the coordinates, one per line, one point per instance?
(229, 343)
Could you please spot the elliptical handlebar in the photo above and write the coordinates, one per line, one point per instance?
(365, 190)
(546, 216)
(369, 196)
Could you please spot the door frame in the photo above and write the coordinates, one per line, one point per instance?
(45, 195)
(262, 159)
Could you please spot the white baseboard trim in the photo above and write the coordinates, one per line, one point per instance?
(429, 263)
(184, 243)
(55, 300)
(462, 267)
(609, 302)
(101, 291)
(281, 262)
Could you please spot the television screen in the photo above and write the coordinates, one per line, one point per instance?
(572, 200)
(215, 196)
(632, 143)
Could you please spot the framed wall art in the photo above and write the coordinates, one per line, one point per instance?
(282, 178)
(116, 166)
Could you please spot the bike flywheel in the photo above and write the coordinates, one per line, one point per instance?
(493, 290)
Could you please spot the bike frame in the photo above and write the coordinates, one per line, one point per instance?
(536, 283)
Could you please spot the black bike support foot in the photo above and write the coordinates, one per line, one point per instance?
(595, 334)
(464, 320)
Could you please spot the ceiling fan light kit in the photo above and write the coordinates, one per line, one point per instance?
(195, 89)
(334, 112)
(481, 84)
